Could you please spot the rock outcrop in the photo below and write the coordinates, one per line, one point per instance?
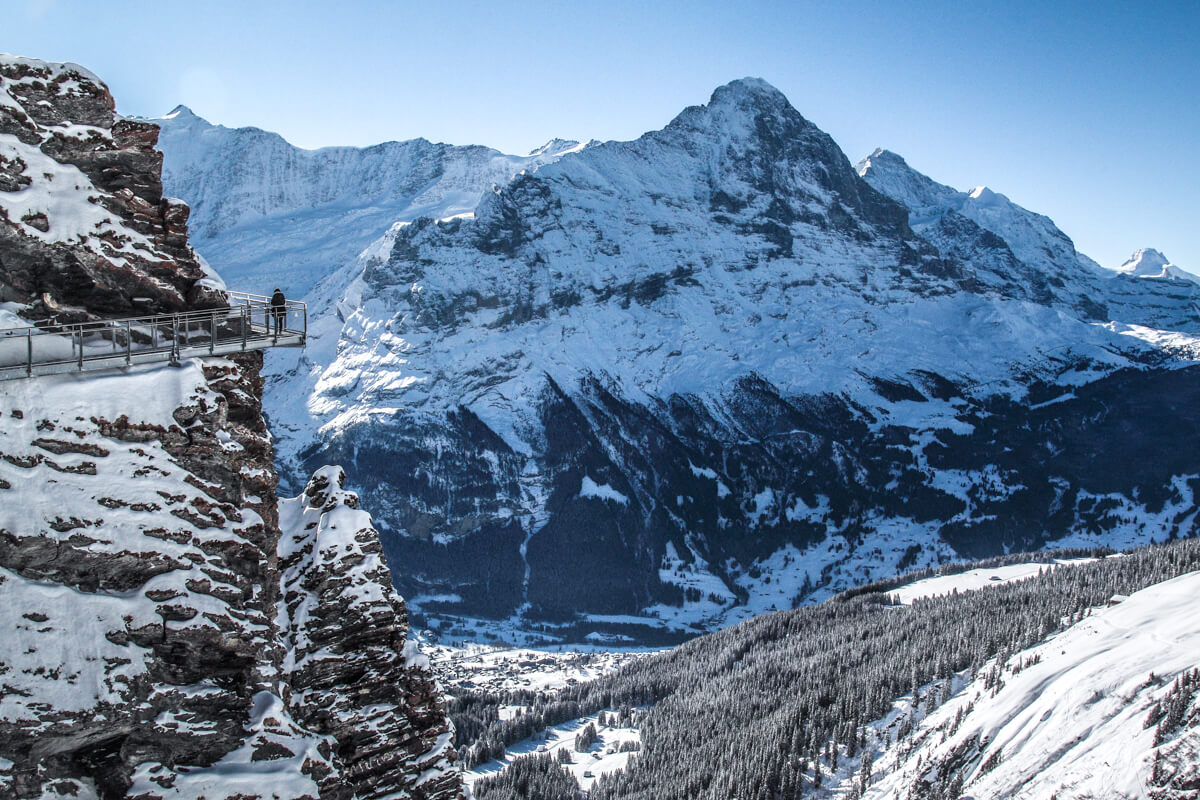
(84, 226)
(154, 644)
(353, 673)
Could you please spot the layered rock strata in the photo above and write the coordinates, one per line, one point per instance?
(84, 228)
(153, 645)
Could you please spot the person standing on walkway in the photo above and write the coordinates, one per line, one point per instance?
(278, 309)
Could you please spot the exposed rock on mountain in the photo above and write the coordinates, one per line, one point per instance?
(84, 227)
(158, 626)
(353, 673)
(266, 212)
(677, 381)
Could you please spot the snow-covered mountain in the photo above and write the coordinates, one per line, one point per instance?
(1149, 263)
(1020, 253)
(269, 214)
(680, 380)
(168, 628)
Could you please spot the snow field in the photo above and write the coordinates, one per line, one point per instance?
(976, 579)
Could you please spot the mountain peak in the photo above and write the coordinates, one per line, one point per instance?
(985, 196)
(181, 112)
(1150, 263)
(749, 91)
(880, 158)
(1146, 258)
(555, 147)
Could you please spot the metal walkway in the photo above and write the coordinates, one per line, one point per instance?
(247, 324)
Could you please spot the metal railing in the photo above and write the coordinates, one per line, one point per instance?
(249, 323)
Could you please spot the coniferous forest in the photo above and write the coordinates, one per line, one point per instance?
(763, 710)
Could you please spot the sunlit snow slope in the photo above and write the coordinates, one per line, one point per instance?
(1075, 717)
(267, 213)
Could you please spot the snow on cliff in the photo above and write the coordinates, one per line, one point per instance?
(83, 222)
(141, 588)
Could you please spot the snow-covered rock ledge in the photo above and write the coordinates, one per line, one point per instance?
(151, 646)
(352, 671)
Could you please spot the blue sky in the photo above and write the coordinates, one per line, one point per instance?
(1088, 112)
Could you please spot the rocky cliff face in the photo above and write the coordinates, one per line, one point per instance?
(677, 381)
(84, 226)
(155, 642)
(353, 673)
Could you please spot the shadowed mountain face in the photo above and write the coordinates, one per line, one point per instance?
(676, 381)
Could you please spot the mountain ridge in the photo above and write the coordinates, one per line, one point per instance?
(786, 373)
(268, 212)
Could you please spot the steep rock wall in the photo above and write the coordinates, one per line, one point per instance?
(150, 649)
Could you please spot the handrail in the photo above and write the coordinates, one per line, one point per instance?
(249, 322)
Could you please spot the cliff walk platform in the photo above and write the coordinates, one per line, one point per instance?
(249, 323)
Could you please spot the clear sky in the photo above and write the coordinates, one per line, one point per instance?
(1088, 112)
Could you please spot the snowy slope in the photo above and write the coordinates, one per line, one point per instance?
(268, 214)
(1021, 253)
(601, 758)
(1033, 238)
(975, 579)
(1069, 717)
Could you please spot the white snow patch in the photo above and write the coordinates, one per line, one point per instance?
(601, 491)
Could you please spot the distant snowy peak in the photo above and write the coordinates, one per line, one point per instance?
(558, 147)
(891, 174)
(1033, 237)
(268, 213)
(1149, 263)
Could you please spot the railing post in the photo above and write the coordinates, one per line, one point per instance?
(304, 332)
(243, 319)
(29, 353)
(128, 344)
(154, 333)
(174, 360)
(212, 333)
(79, 330)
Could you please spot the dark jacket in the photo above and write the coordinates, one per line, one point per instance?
(278, 301)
